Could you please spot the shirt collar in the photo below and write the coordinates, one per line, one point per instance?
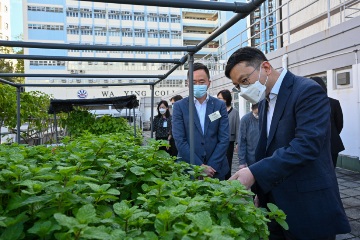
(276, 88)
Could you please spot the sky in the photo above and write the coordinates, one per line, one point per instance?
(16, 19)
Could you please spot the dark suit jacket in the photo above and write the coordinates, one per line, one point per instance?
(336, 126)
(294, 168)
(211, 147)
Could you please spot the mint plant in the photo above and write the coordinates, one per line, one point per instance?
(111, 187)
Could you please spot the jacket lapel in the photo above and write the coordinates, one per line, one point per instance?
(209, 110)
(281, 101)
(196, 117)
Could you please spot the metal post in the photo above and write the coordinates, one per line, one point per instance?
(134, 122)
(18, 92)
(152, 111)
(288, 21)
(56, 131)
(191, 108)
(328, 13)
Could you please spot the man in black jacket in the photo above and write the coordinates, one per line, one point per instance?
(337, 123)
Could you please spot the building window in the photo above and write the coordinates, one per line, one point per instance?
(46, 27)
(126, 16)
(47, 63)
(45, 9)
(163, 18)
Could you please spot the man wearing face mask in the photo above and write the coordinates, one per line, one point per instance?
(211, 127)
(293, 167)
(248, 137)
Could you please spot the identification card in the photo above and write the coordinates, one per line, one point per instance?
(214, 116)
(165, 123)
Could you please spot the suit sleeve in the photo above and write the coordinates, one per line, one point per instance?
(312, 117)
(222, 145)
(237, 123)
(180, 135)
(242, 141)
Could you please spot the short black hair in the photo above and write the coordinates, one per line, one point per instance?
(254, 106)
(250, 55)
(199, 66)
(226, 94)
(176, 98)
(320, 82)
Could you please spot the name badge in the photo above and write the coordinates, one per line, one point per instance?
(214, 116)
(165, 124)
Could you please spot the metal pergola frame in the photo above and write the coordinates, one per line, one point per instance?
(242, 10)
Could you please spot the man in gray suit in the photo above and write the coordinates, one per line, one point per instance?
(211, 127)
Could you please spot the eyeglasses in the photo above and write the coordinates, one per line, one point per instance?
(245, 82)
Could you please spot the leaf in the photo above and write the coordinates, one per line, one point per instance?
(121, 208)
(113, 191)
(137, 170)
(12, 232)
(86, 214)
(118, 234)
(150, 236)
(66, 221)
(282, 223)
(272, 207)
(202, 220)
(94, 187)
(95, 233)
(43, 228)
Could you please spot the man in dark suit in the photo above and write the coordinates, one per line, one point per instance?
(211, 127)
(293, 167)
(337, 123)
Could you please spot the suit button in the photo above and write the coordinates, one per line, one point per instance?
(202, 143)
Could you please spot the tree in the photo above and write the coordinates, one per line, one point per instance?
(6, 66)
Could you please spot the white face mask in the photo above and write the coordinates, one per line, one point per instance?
(255, 92)
(256, 115)
(162, 110)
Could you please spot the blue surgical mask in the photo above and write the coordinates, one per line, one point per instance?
(200, 90)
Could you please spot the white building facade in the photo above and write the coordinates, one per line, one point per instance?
(5, 26)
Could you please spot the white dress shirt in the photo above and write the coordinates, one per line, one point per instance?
(201, 110)
(272, 99)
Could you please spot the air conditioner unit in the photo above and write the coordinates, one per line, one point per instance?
(106, 81)
(72, 71)
(78, 80)
(81, 71)
(63, 80)
(51, 80)
(106, 63)
(71, 80)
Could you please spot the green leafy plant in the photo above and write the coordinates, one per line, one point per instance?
(110, 187)
(34, 106)
(81, 121)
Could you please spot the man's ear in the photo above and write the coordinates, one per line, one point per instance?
(267, 67)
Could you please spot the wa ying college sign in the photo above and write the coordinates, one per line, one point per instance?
(82, 93)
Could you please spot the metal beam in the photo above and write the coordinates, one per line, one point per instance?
(88, 59)
(84, 85)
(42, 45)
(49, 75)
(9, 83)
(250, 7)
(206, 5)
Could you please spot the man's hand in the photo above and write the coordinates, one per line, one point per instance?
(256, 201)
(209, 170)
(241, 166)
(245, 177)
(236, 148)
